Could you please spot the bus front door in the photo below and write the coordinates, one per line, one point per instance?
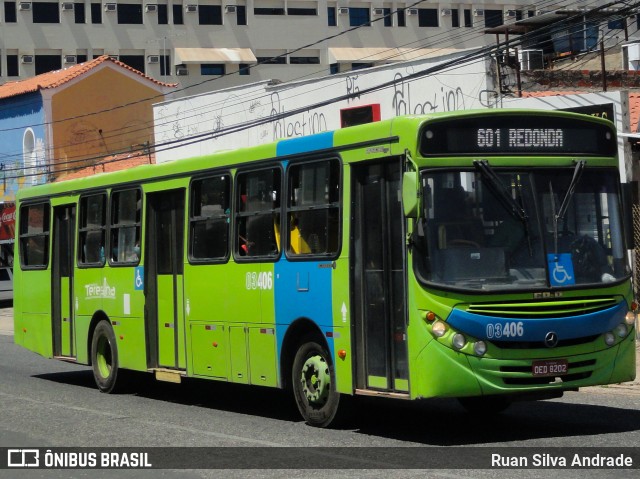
(164, 265)
(64, 222)
(379, 278)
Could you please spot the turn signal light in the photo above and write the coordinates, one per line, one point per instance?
(342, 354)
(431, 316)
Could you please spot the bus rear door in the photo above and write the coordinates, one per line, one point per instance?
(64, 223)
(164, 271)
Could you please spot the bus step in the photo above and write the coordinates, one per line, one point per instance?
(387, 394)
(169, 375)
(69, 359)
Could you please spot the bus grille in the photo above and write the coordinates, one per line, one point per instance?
(544, 308)
(540, 344)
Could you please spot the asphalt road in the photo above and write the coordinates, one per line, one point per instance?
(46, 403)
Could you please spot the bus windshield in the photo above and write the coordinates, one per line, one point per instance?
(498, 228)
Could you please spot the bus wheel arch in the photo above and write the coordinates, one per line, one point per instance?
(299, 332)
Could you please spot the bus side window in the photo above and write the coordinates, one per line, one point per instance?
(92, 230)
(34, 235)
(313, 208)
(126, 213)
(209, 218)
(258, 215)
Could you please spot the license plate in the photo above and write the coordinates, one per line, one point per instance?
(551, 367)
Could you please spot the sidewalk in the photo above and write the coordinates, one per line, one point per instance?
(6, 321)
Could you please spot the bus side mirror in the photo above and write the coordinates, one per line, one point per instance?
(410, 194)
(627, 209)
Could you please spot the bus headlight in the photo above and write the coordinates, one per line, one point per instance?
(630, 318)
(458, 341)
(609, 339)
(480, 348)
(621, 330)
(438, 329)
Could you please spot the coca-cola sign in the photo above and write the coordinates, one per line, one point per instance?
(7, 221)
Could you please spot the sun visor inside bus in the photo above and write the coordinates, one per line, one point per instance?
(459, 264)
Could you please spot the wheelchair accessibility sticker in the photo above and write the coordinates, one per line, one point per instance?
(139, 278)
(560, 269)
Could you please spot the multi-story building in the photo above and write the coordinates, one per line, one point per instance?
(206, 45)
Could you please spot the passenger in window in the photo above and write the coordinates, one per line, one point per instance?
(296, 241)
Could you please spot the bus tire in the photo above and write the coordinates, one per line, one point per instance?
(485, 405)
(314, 385)
(104, 357)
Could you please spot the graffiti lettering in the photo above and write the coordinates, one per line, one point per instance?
(306, 123)
(450, 99)
(353, 91)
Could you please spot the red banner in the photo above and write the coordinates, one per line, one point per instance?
(7, 221)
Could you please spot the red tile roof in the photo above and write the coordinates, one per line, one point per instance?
(535, 94)
(60, 77)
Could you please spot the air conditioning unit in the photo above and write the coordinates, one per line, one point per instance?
(478, 13)
(153, 59)
(343, 10)
(377, 12)
(510, 14)
(110, 7)
(182, 71)
(531, 60)
(24, 6)
(191, 8)
(230, 9)
(151, 7)
(445, 12)
(412, 11)
(27, 59)
(70, 59)
(67, 7)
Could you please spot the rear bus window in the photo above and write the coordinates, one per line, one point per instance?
(34, 236)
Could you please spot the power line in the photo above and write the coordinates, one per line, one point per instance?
(240, 127)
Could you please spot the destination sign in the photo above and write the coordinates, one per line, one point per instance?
(521, 135)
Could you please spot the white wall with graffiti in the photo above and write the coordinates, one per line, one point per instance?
(263, 112)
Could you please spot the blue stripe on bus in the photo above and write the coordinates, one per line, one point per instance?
(302, 290)
(535, 329)
(305, 144)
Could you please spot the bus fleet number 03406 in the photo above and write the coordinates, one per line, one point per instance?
(256, 280)
(510, 329)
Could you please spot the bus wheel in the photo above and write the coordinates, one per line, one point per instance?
(482, 405)
(104, 357)
(314, 385)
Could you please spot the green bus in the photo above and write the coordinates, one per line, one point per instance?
(476, 255)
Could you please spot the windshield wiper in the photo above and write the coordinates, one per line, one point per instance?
(577, 173)
(503, 194)
(501, 191)
(564, 206)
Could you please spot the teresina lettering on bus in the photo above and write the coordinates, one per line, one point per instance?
(536, 137)
(100, 290)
